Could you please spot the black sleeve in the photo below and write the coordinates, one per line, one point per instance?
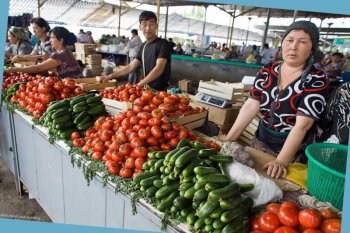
(164, 50)
(139, 54)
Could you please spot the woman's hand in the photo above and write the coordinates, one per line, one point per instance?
(276, 169)
(223, 137)
(102, 79)
(17, 58)
(11, 70)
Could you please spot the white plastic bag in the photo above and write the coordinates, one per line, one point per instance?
(238, 153)
(265, 190)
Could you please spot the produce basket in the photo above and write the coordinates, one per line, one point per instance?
(326, 172)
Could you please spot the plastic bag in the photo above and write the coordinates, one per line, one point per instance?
(238, 153)
(265, 190)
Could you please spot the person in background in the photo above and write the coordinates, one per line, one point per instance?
(62, 60)
(291, 96)
(89, 38)
(333, 69)
(134, 46)
(103, 39)
(154, 54)
(255, 51)
(81, 37)
(227, 54)
(233, 52)
(113, 40)
(266, 56)
(178, 49)
(172, 45)
(19, 44)
(43, 49)
(28, 33)
(323, 62)
(242, 49)
(278, 55)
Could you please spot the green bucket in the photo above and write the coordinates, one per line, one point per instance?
(326, 172)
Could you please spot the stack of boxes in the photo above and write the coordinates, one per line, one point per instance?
(87, 54)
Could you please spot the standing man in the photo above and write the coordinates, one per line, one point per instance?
(134, 46)
(154, 54)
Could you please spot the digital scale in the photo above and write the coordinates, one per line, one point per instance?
(212, 100)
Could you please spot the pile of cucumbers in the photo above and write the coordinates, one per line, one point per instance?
(9, 92)
(192, 183)
(74, 114)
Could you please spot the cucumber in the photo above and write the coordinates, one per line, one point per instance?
(191, 218)
(182, 143)
(189, 193)
(97, 110)
(234, 226)
(77, 99)
(185, 158)
(200, 195)
(223, 170)
(167, 202)
(166, 190)
(230, 215)
(211, 205)
(57, 105)
(217, 213)
(148, 182)
(152, 154)
(248, 203)
(208, 220)
(80, 104)
(93, 99)
(188, 179)
(64, 125)
(66, 133)
(177, 154)
(181, 202)
(158, 183)
(90, 95)
(197, 145)
(199, 224)
(208, 228)
(231, 203)
(170, 154)
(221, 158)
(60, 113)
(211, 186)
(172, 176)
(137, 179)
(161, 154)
(84, 126)
(246, 187)
(225, 192)
(81, 109)
(217, 224)
(85, 120)
(189, 170)
(214, 178)
(151, 191)
(94, 104)
(203, 171)
(204, 153)
(146, 166)
(80, 116)
(167, 180)
(199, 186)
(185, 186)
(158, 164)
(173, 209)
(61, 119)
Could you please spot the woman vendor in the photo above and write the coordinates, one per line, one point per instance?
(62, 60)
(42, 49)
(291, 95)
(19, 44)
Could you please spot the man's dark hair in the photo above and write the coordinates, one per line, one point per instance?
(147, 15)
(41, 23)
(134, 31)
(61, 33)
(337, 54)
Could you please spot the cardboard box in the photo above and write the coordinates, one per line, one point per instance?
(227, 91)
(185, 85)
(81, 48)
(193, 121)
(115, 107)
(88, 84)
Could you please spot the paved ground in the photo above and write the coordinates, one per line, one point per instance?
(14, 206)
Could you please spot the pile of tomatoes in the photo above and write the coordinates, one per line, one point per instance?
(11, 78)
(171, 105)
(286, 218)
(123, 143)
(36, 95)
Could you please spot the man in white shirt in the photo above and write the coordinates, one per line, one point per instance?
(134, 46)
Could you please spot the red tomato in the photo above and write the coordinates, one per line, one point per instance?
(134, 120)
(166, 127)
(75, 135)
(105, 136)
(130, 163)
(182, 134)
(121, 137)
(143, 122)
(37, 114)
(156, 131)
(331, 226)
(311, 231)
(115, 156)
(327, 214)
(268, 221)
(76, 142)
(139, 102)
(114, 170)
(124, 150)
(44, 89)
(289, 203)
(108, 124)
(169, 135)
(139, 163)
(156, 100)
(273, 207)
(169, 100)
(96, 156)
(173, 142)
(285, 229)
(288, 216)
(99, 147)
(46, 98)
(85, 149)
(125, 172)
(140, 152)
(154, 122)
(78, 91)
(165, 146)
(309, 218)
(152, 141)
(258, 231)
(254, 223)
(147, 95)
(144, 133)
(156, 113)
(137, 142)
(58, 86)
(40, 106)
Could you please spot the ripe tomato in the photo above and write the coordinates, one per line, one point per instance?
(105, 136)
(258, 231)
(147, 95)
(327, 214)
(108, 124)
(121, 137)
(166, 127)
(139, 102)
(254, 223)
(44, 89)
(169, 135)
(143, 122)
(140, 152)
(152, 141)
(137, 142)
(40, 106)
(130, 163)
(78, 91)
(269, 222)
(331, 226)
(114, 170)
(156, 100)
(99, 147)
(156, 113)
(288, 216)
(37, 114)
(173, 142)
(124, 149)
(154, 121)
(169, 100)
(115, 156)
(311, 231)
(285, 229)
(85, 149)
(165, 146)
(273, 207)
(125, 172)
(58, 86)
(96, 156)
(76, 142)
(46, 98)
(139, 163)
(144, 133)
(156, 132)
(289, 203)
(309, 218)
(134, 120)
(182, 134)
(75, 135)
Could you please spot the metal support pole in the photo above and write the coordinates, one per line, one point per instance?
(325, 40)
(232, 25)
(228, 30)
(120, 17)
(266, 27)
(295, 15)
(246, 38)
(38, 8)
(166, 22)
(205, 20)
(158, 15)
(320, 28)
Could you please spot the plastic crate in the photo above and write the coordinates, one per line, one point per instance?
(326, 172)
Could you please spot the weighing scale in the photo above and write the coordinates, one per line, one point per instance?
(212, 100)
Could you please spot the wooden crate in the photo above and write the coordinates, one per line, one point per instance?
(194, 120)
(90, 59)
(115, 107)
(185, 85)
(227, 91)
(248, 134)
(81, 48)
(24, 63)
(88, 84)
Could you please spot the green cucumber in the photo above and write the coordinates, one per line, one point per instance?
(64, 125)
(235, 226)
(84, 126)
(170, 154)
(225, 192)
(158, 164)
(60, 113)
(182, 202)
(148, 182)
(94, 104)
(214, 178)
(199, 224)
(246, 187)
(208, 220)
(177, 154)
(151, 191)
(217, 213)
(203, 171)
(228, 204)
(64, 134)
(211, 186)
(158, 183)
(61, 119)
(191, 218)
(221, 158)
(189, 193)
(208, 228)
(80, 104)
(85, 120)
(77, 99)
(200, 195)
(189, 170)
(57, 105)
(161, 154)
(197, 145)
(168, 201)
(186, 157)
(211, 205)
(204, 153)
(182, 143)
(230, 215)
(185, 212)
(166, 190)
(80, 116)
(97, 110)
(217, 224)
(93, 99)
(137, 179)
(81, 109)
(185, 186)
